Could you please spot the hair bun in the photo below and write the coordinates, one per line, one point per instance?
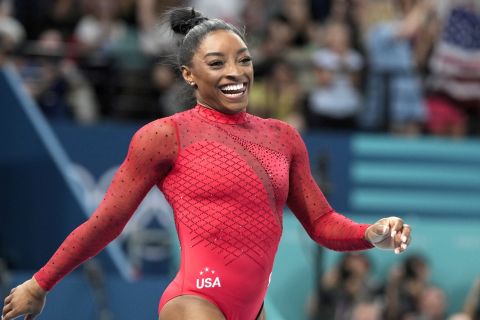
(183, 20)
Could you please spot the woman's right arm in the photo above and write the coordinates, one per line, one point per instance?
(150, 157)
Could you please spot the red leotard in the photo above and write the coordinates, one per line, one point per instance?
(227, 178)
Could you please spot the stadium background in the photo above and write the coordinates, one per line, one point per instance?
(56, 163)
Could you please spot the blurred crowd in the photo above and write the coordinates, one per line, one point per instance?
(350, 291)
(402, 66)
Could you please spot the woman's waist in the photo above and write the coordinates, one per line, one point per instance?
(242, 279)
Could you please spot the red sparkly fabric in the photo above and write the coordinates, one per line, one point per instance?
(227, 178)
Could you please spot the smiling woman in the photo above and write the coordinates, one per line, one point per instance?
(227, 175)
(214, 59)
(221, 70)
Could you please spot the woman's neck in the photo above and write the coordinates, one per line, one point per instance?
(222, 110)
(212, 114)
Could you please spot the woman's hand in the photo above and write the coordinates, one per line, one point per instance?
(26, 299)
(389, 233)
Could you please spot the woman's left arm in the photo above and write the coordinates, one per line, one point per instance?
(327, 227)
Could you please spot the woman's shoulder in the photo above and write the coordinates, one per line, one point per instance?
(157, 140)
(158, 129)
(275, 124)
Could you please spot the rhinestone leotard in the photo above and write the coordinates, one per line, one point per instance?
(227, 178)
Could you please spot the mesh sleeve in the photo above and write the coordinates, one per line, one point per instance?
(325, 226)
(151, 155)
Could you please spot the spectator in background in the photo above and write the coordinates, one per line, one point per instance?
(367, 311)
(446, 117)
(98, 33)
(277, 95)
(335, 99)
(55, 82)
(405, 286)
(167, 86)
(424, 41)
(229, 11)
(432, 305)
(274, 44)
(454, 105)
(394, 98)
(64, 16)
(298, 17)
(42, 77)
(12, 32)
(348, 12)
(255, 17)
(301, 37)
(154, 36)
(347, 291)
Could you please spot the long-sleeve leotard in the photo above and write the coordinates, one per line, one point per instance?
(227, 178)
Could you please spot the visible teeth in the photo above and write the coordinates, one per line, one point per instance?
(233, 87)
(234, 95)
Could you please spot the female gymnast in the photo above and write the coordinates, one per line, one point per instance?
(227, 175)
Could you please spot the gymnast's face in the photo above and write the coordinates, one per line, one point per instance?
(222, 71)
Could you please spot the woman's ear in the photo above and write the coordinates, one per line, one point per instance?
(187, 75)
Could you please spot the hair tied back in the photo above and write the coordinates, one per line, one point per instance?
(182, 20)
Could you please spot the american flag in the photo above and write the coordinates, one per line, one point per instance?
(455, 62)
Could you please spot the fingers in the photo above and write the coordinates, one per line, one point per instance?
(13, 308)
(7, 307)
(7, 310)
(396, 225)
(402, 239)
(7, 299)
(9, 315)
(406, 234)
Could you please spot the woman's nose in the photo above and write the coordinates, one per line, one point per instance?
(233, 70)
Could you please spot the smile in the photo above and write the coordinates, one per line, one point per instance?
(234, 90)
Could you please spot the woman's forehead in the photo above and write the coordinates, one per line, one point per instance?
(221, 41)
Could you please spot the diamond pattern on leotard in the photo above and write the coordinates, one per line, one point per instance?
(274, 163)
(222, 203)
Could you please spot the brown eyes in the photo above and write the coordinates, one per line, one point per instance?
(246, 60)
(217, 64)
